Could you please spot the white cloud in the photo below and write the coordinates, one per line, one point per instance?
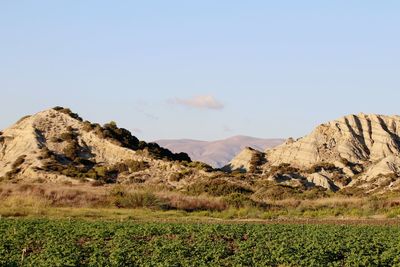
(202, 102)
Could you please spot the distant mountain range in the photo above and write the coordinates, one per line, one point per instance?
(218, 153)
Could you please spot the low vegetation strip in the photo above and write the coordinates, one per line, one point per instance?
(32, 242)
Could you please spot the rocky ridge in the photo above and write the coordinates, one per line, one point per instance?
(356, 151)
(57, 145)
(354, 154)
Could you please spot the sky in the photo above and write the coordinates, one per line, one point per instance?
(201, 69)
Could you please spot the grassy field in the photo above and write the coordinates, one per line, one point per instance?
(66, 225)
(110, 203)
(33, 242)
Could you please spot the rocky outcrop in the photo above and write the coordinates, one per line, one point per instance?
(247, 160)
(360, 151)
(57, 145)
(355, 138)
(318, 179)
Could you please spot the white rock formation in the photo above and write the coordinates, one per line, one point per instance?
(32, 135)
(244, 161)
(360, 148)
(356, 138)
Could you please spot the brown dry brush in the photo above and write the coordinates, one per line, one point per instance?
(132, 197)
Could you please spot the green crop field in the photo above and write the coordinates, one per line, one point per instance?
(33, 242)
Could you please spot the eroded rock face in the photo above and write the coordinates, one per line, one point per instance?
(318, 179)
(362, 148)
(353, 151)
(356, 138)
(57, 146)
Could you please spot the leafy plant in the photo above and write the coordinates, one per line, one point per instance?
(41, 242)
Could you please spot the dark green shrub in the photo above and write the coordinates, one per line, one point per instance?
(12, 173)
(158, 152)
(68, 136)
(237, 200)
(71, 151)
(56, 140)
(18, 162)
(122, 136)
(329, 167)
(199, 166)
(130, 166)
(68, 112)
(136, 166)
(133, 200)
(283, 168)
(340, 178)
(176, 177)
(218, 187)
(46, 153)
(280, 192)
(74, 172)
(257, 160)
(87, 126)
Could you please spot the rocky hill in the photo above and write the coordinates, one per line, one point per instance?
(356, 152)
(218, 153)
(57, 145)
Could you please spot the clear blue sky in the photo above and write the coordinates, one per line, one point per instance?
(201, 69)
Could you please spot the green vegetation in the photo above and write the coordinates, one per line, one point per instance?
(119, 136)
(18, 162)
(30, 242)
(159, 152)
(15, 168)
(218, 187)
(274, 191)
(323, 166)
(256, 161)
(137, 199)
(282, 169)
(238, 200)
(82, 169)
(153, 203)
(68, 112)
(198, 165)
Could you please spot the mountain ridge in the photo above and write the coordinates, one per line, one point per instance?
(359, 151)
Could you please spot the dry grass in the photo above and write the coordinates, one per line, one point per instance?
(332, 202)
(24, 205)
(84, 196)
(59, 195)
(111, 201)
